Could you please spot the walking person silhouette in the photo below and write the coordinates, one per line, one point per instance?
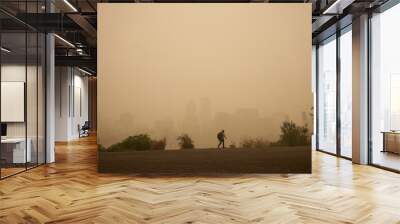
(221, 138)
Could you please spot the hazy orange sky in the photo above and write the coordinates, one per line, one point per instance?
(199, 68)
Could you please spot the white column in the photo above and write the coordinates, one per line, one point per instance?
(360, 90)
(50, 94)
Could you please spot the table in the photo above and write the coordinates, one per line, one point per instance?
(13, 150)
(391, 141)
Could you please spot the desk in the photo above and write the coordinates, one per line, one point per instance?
(391, 141)
(13, 150)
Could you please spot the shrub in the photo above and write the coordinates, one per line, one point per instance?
(185, 142)
(158, 144)
(293, 135)
(101, 148)
(133, 143)
(255, 143)
(140, 142)
(232, 145)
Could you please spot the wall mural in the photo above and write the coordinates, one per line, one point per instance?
(173, 78)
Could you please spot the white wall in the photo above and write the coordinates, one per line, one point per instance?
(62, 81)
(71, 87)
(12, 73)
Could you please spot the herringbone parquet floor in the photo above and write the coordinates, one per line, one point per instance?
(71, 191)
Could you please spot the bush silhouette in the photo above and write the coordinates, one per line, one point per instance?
(293, 135)
(254, 143)
(158, 144)
(140, 142)
(185, 142)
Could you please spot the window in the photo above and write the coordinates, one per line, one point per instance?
(346, 93)
(385, 89)
(327, 96)
(22, 77)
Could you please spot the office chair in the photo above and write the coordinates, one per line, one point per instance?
(84, 130)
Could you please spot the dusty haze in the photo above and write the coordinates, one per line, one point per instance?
(167, 69)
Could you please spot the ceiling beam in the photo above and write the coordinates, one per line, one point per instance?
(85, 25)
(81, 61)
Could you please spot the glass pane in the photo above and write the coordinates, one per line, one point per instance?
(346, 94)
(327, 96)
(386, 89)
(22, 88)
(41, 99)
(32, 95)
(31, 88)
(13, 86)
(313, 111)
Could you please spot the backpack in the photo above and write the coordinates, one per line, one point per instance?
(220, 136)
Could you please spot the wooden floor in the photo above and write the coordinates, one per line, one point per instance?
(71, 191)
(5, 172)
(387, 159)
